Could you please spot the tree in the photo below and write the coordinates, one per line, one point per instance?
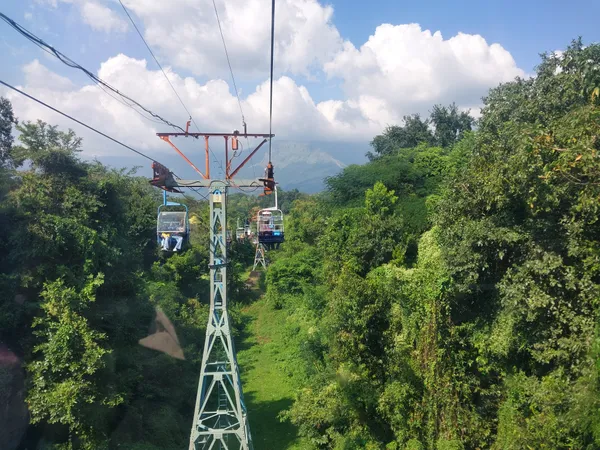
(70, 224)
(444, 127)
(359, 239)
(306, 221)
(380, 201)
(450, 125)
(65, 387)
(46, 147)
(489, 340)
(7, 120)
(519, 228)
(414, 132)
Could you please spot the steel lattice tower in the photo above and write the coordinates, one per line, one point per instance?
(259, 256)
(220, 420)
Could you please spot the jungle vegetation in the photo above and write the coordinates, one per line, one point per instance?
(443, 296)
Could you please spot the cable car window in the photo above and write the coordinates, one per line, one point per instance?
(171, 222)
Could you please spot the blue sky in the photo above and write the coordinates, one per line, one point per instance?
(327, 86)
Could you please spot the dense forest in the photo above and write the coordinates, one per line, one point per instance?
(445, 295)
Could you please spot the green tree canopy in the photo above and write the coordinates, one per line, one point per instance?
(7, 120)
(445, 126)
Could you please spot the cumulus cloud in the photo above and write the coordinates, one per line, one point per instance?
(212, 104)
(102, 18)
(400, 70)
(403, 69)
(38, 76)
(110, 113)
(96, 15)
(185, 32)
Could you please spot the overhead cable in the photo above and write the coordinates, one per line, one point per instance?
(164, 73)
(199, 193)
(229, 64)
(75, 120)
(69, 62)
(90, 128)
(155, 60)
(192, 188)
(271, 90)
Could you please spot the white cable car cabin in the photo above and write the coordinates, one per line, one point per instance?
(269, 223)
(242, 233)
(239, 234)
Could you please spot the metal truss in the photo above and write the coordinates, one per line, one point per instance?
(259, 256)
(220, 419)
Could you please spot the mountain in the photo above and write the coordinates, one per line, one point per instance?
(303, 165)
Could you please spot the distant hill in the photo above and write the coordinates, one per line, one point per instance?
(304, 165)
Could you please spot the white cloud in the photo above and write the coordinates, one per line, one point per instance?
(212, 105)
(101, 18)
(186, 34)
(399, 70)
(474, 111)
(38, 76)
(403, 69)
(560, 55)
(95, 14)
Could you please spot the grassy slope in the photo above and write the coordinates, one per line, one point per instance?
(267, 390)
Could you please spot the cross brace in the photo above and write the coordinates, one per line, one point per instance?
(227, 137)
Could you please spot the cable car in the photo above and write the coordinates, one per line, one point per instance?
(269, 223)
(243, 232)
(240, 232)
(247, 229)
(172, 226)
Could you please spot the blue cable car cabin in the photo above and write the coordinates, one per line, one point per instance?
(172, 227)
(270, 227)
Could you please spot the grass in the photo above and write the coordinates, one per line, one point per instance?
(267, 391)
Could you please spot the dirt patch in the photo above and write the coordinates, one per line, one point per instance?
(252, 280)
(263, 339)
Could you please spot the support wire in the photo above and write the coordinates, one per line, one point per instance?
(75, 120)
